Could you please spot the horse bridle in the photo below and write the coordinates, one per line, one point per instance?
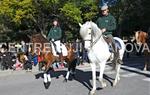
(92, 43)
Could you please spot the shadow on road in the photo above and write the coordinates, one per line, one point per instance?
(83, 77)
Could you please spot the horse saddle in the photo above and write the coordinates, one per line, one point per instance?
(55, 48)
(63, 49)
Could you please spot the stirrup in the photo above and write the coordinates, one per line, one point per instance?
(119, 61)
(111, 49)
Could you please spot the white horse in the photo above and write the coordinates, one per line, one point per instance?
(98, 52)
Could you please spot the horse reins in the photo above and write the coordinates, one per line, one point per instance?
(93, 43)
(91, 40)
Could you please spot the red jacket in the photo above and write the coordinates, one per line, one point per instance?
(40, 58)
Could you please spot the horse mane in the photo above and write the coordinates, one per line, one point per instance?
(96, 29)
(39, 38)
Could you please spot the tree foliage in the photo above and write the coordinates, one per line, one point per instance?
(17, 9)
(37, 15)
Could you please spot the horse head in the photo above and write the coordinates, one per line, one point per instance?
(89, 32)
(141, 37)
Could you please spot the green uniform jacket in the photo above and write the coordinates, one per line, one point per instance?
(55, 33)
(108, 22)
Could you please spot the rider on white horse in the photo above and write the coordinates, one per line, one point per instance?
(98, 52)
(107, 23)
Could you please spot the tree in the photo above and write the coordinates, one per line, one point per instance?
(37, 15)
(129, 14)
(17, 9)
(75, 11)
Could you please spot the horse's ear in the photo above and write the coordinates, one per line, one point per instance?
(80, 24)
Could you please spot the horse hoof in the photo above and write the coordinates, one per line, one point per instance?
(104, 84)
(114, 84)
(47, 84)
(92, 93)
(119, 61)
(65, 80)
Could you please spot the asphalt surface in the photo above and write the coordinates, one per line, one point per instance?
(134, 81)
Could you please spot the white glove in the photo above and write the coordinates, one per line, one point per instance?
(104, 29)
(53, 40)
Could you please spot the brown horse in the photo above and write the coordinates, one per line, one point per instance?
(45, 50)
(142, 39)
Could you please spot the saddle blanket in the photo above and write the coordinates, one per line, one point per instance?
(117, 44)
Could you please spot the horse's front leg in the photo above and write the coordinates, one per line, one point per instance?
(71, 70)
(68, 74)
(101, 71)
(93, 66)
(47, 79)
(117, 78)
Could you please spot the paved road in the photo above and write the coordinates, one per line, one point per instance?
(134, 81)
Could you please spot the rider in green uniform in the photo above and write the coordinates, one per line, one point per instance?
(55, 35)
(107, 23)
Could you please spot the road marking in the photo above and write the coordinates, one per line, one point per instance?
(113, 72)
(97, 67)
(146, 79)
(131, 69)
(129, 75)
(136, 70)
